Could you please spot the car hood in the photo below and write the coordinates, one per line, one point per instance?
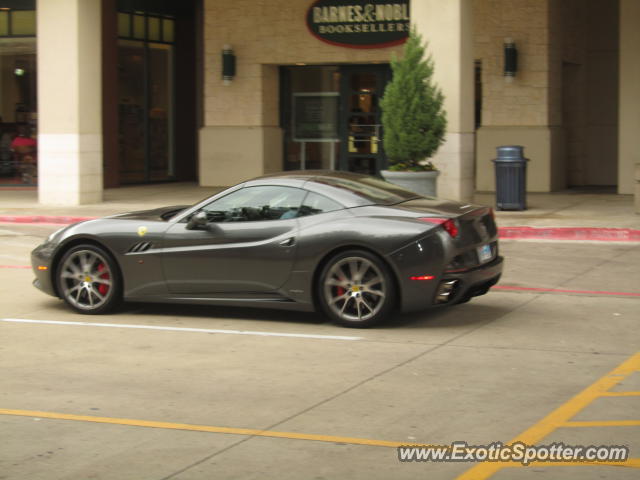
(156, 214)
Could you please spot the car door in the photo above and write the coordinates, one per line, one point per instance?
(248, 245)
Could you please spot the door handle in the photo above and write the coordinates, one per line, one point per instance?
(289, 242)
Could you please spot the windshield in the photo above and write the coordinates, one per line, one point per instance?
(376, 191)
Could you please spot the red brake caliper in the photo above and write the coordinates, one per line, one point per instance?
(102, 288)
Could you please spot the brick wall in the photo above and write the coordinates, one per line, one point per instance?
(525, 101)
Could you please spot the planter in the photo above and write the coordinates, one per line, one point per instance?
(423, 183)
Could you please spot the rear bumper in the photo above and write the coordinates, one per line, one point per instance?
(473, 283)
(468, 283)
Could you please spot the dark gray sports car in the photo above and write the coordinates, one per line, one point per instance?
(351, 245)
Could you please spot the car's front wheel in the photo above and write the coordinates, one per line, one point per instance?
(356, 289)
(88, 280)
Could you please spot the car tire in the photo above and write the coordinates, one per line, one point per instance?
(88, 280)
(356, 289)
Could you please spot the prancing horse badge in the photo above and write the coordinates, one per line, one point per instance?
(142, 231)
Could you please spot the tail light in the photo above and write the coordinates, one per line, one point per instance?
(448, 224)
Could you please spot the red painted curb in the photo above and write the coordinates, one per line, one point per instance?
(564, 290)
(52, 219)
(570, 233)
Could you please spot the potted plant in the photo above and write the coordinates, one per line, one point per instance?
(413, 120)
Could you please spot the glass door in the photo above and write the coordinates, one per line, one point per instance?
(131, 111)
(145, 111)
(310, 102)
(361, 88)
(145, 94)
(161, 164)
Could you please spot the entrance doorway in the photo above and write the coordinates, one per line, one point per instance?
(145, 112)
(360, 124)
(145, 97)
(590, 82)
(331, 117)
(152, 91)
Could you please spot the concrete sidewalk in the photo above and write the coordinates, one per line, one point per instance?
(573, 208)
(116, 200)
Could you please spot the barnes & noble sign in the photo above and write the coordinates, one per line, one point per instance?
(366, 24)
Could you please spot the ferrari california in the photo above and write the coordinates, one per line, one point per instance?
(352, 246)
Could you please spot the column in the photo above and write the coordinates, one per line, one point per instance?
(629, 113)
(69, 102)
(447, 27)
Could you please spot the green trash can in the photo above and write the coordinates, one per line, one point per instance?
(511, 178)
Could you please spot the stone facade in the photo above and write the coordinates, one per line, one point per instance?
(561, 105)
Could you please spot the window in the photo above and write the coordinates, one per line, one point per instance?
(256, 204)
(18, 19)
(309, 116)
(315, 203)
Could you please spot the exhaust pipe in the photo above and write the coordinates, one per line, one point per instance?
(445, 289)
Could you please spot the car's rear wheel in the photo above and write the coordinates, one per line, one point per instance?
(88, 280)
(356, 289)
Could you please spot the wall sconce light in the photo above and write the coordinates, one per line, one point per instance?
(510, 60)
(228, 65)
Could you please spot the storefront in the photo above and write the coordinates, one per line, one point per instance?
(148, 110)
(132, 91)
(18, 94)
(564, 102)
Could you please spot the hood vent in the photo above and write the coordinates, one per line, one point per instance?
(140, 247)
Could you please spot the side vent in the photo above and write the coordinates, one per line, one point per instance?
(140, 247)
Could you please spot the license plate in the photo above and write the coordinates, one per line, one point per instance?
(484, 253)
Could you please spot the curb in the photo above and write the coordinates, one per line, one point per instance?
(47, 219)
(570, 233)
(513, 288)
(593, 234)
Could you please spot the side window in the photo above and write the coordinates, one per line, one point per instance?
(315, 203)
(256, 204)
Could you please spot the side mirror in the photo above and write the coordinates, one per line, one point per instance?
(198, 221)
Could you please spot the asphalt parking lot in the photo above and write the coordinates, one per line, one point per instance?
(182, 392)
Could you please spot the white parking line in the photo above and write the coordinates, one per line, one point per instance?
(183, 329)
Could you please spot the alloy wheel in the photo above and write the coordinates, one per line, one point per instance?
(86, 280)
(355, 289)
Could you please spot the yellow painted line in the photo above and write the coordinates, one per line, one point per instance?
(620, 394)
(559, 416)
(204, 428)
(603, 423)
